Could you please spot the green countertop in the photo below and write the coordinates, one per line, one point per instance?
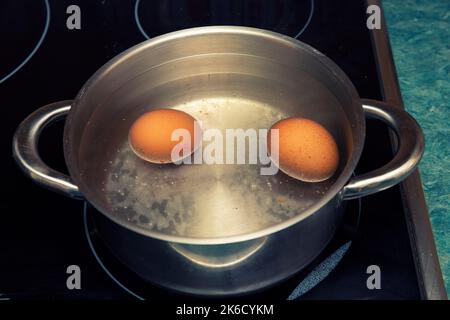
(420, 37)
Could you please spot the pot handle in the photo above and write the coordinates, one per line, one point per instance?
(25, 149)
(409, 152)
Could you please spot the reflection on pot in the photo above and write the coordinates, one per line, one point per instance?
(219, 256)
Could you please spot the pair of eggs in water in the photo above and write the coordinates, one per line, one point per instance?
(306, 150)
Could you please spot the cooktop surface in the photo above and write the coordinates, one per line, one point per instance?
(46, 58)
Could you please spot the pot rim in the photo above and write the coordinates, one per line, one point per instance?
(336, 190)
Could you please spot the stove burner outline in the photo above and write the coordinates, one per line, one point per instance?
(319, 273)
(44, 33)
(91, 246)
(311, 13)
(2, 298)
(138, 22)
(141, 29)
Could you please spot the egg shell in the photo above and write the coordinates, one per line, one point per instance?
(307, 151)
(150, 135)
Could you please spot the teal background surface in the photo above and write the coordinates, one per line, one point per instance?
(420, 37)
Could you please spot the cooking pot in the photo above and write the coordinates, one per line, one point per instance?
(214, 229)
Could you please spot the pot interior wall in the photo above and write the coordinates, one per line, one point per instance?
(225, 81)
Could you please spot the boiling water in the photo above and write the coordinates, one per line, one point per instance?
(207, 200)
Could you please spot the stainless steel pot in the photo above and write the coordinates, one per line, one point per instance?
(214, 229)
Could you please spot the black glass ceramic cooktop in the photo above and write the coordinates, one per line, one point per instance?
(42, 61)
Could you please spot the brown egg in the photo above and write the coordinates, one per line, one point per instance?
(307, 151)
(150, 135)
